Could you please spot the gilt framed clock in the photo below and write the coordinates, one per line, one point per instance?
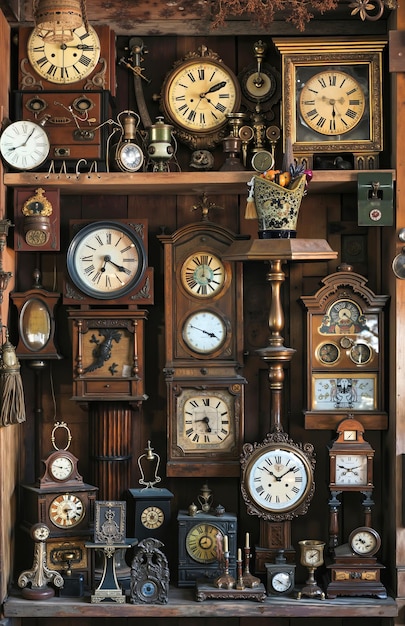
(197, 94)
(332, 100)
(345, 345)
(204, 351)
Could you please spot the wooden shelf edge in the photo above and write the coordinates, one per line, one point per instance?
(182, 604)
(173, 183)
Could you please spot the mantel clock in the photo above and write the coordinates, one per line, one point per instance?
(332, 100)
(345, 347)
(204, 351)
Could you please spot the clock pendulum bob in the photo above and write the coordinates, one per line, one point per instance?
(198, 537)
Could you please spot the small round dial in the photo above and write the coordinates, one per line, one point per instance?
(64, 63)
(332, 102)
(351, 469)
(281, 582)
(365, 541)
(106, 260)
(313, 556)
(328, 353)
(149, 590)
(24, 145)
(203, 275)
(152, 517)
(205, 332)
(129, 157)
(360, 353)
(201, 542)
(40, 532)
(262, 161)
(61, 468)
(278, 478)
(66, 510)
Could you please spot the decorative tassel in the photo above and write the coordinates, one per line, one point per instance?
(251, 211)
(12, 403)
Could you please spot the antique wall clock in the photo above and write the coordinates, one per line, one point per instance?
(345, 346)
(204, 352)
(332, 100)
(107, 263)
(87, 62)
(24, 145)
(197, 94)
(36, 219)
(199, 537)
(65, 503)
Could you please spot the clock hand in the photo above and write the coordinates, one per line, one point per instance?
(80, 46)
(287, 472)
(206, 332)
(216, 87)
(22, 144)
(206, 420)
(120, 268)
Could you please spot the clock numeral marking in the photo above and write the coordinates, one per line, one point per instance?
(223, 96)
(84, 60)
(99, 240)
(332, 80)
(321, 122)
(191, 116)
(352, 114)
(52, 70)
(220, 107)
(201, 73)
(322, 82)
(202, 118)
(191, 76)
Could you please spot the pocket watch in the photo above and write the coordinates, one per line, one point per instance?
(24, 145)
(203, 275)
(364, 541)
(205, 331)
(64, 63)
(277, 477)
(66, 510)
(106, 259)
(197, 94)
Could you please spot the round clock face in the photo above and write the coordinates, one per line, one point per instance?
(281, 582)
(201, 542)
(360, 353)
(205, 332)
(262, 161)
(66, 510)
(152, 517)
(40, 532)
(207, 422)
(198, 94)
(64, 63)
(332, 102)
(278, 478)
(365, 541)
(328, 353)
(351, 469)
(24, 145)
(148, 590)
(129, 157)
(61, 468)
(203, 275)
(106, 260)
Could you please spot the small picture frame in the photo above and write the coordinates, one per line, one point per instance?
(345, 391)
(110, 522)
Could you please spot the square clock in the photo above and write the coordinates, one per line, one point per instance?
(332, 104)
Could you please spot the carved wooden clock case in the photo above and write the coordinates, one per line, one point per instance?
(204, 352)
(345, 347)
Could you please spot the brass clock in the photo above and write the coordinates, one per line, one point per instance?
(332, 100)
(345, 342)
(204, 275)
(197, 94)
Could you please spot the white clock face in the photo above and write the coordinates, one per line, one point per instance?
(313, 556)
(64, 63)
(129, 157)
(207, 421)
(24, 145)
(204, 332)
(278, 479)
(365, 541)
(106, 260)
(281, 581)
(61, 468)
(351, 469)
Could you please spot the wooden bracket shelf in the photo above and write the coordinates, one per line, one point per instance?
(182, 603)
(173, 183)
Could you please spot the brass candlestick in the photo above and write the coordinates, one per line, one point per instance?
(225, 580)
(240, 583)
(248, 578)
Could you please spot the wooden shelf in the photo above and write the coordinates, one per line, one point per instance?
(173, 183)
(182, 604)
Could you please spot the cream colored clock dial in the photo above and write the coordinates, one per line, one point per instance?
(66, 510)
(203, 275)
(332, 102)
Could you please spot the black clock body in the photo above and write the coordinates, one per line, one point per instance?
(189, 569)
(149, 513)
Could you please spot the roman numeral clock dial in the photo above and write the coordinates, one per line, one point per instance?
(197, 95)
(64, 63)
(332, 102)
